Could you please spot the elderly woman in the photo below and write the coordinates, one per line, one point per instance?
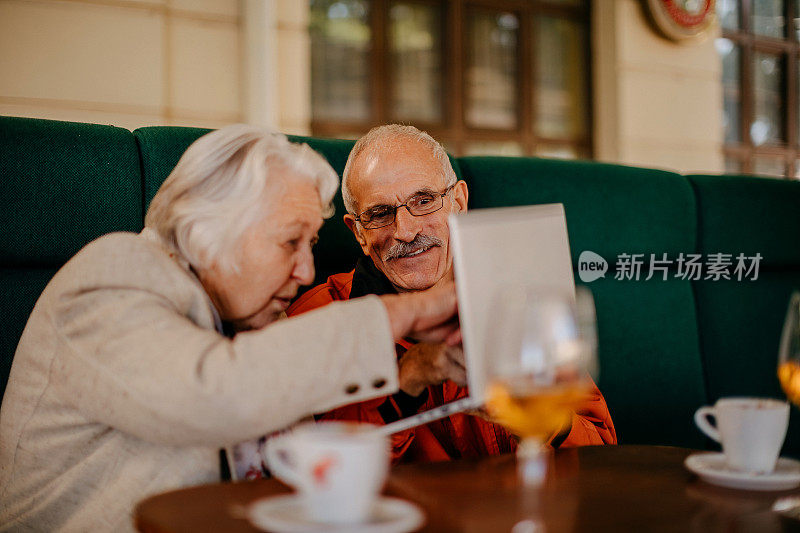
(148, 353)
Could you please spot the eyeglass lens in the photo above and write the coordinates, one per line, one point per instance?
(421, 204)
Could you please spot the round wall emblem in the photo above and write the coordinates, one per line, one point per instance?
(681, 19)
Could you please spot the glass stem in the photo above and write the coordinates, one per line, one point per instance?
(533, 457)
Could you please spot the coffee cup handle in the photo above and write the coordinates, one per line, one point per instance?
(276, 451)
(701, 419)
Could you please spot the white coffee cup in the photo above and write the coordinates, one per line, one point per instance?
(338, 467)
(751, 431)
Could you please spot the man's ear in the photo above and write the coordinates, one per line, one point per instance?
(460, 196)
(350, 222)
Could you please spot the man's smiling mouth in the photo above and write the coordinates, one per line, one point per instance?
(420, 244)
(415, 253)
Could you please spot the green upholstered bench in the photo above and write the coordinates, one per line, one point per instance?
(666, 347)
(740, 323)
(62, 185)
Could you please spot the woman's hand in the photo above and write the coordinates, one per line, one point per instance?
(429, 316)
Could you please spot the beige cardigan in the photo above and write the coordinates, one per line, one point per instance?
(122, 388)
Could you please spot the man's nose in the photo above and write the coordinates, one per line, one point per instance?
(304, 268)
(406, 225)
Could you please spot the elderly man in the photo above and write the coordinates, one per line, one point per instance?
(399, 189)
(148, 353)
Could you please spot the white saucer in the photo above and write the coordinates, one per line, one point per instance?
(286, 513)
(711, 468)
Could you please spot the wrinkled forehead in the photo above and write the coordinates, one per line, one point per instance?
(292, 197)
(392, 173)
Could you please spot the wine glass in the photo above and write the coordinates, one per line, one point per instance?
(789, 351)
(541, 353)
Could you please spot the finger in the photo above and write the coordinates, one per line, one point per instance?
(456, 355)
(435, 307)
(436, 334)
(454, 339)
(458, 375)
(459, 364)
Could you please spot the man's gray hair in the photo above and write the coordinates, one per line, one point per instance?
(382, 139)
(218, 190)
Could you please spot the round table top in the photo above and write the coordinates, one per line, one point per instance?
(598, 488)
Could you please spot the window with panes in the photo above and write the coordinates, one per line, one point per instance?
(759, 52)
(508, 77)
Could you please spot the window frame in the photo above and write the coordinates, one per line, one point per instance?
(788, 50)
(454, 130)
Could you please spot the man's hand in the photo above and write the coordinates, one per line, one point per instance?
(430, 364)
(429, 316)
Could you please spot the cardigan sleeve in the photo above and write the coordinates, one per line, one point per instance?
(129, 358)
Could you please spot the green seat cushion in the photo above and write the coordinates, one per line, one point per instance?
(749, 215)
(64, 184)
(611, 209)
(650, 368)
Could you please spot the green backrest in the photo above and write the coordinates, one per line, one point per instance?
(650, 372)
(63, 184)
(740, 321)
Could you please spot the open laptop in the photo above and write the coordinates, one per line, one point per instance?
(491, 248)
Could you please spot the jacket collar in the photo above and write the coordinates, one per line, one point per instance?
(152, 236)
(367, 279)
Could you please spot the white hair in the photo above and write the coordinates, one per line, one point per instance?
(384, 138)
(217, 191)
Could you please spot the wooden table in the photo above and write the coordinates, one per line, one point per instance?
(608, 488)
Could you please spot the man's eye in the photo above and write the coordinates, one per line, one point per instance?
(292, 243)
(422, 200)
(378, 212)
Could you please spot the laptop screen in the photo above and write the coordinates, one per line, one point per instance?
(494, 247)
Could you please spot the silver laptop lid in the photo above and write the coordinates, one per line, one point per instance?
(504, 246)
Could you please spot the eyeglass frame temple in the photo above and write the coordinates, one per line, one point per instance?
(397, 208)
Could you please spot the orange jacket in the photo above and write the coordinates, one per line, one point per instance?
(459, 435)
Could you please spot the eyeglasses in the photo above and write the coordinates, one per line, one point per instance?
(420, 204)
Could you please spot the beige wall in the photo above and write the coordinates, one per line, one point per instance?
(213, 62)
(123, 62)
(656, 103)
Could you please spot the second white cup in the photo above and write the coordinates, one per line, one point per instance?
(751, 431)
(338, 467)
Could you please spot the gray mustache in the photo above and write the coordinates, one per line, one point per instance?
(402, 249)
